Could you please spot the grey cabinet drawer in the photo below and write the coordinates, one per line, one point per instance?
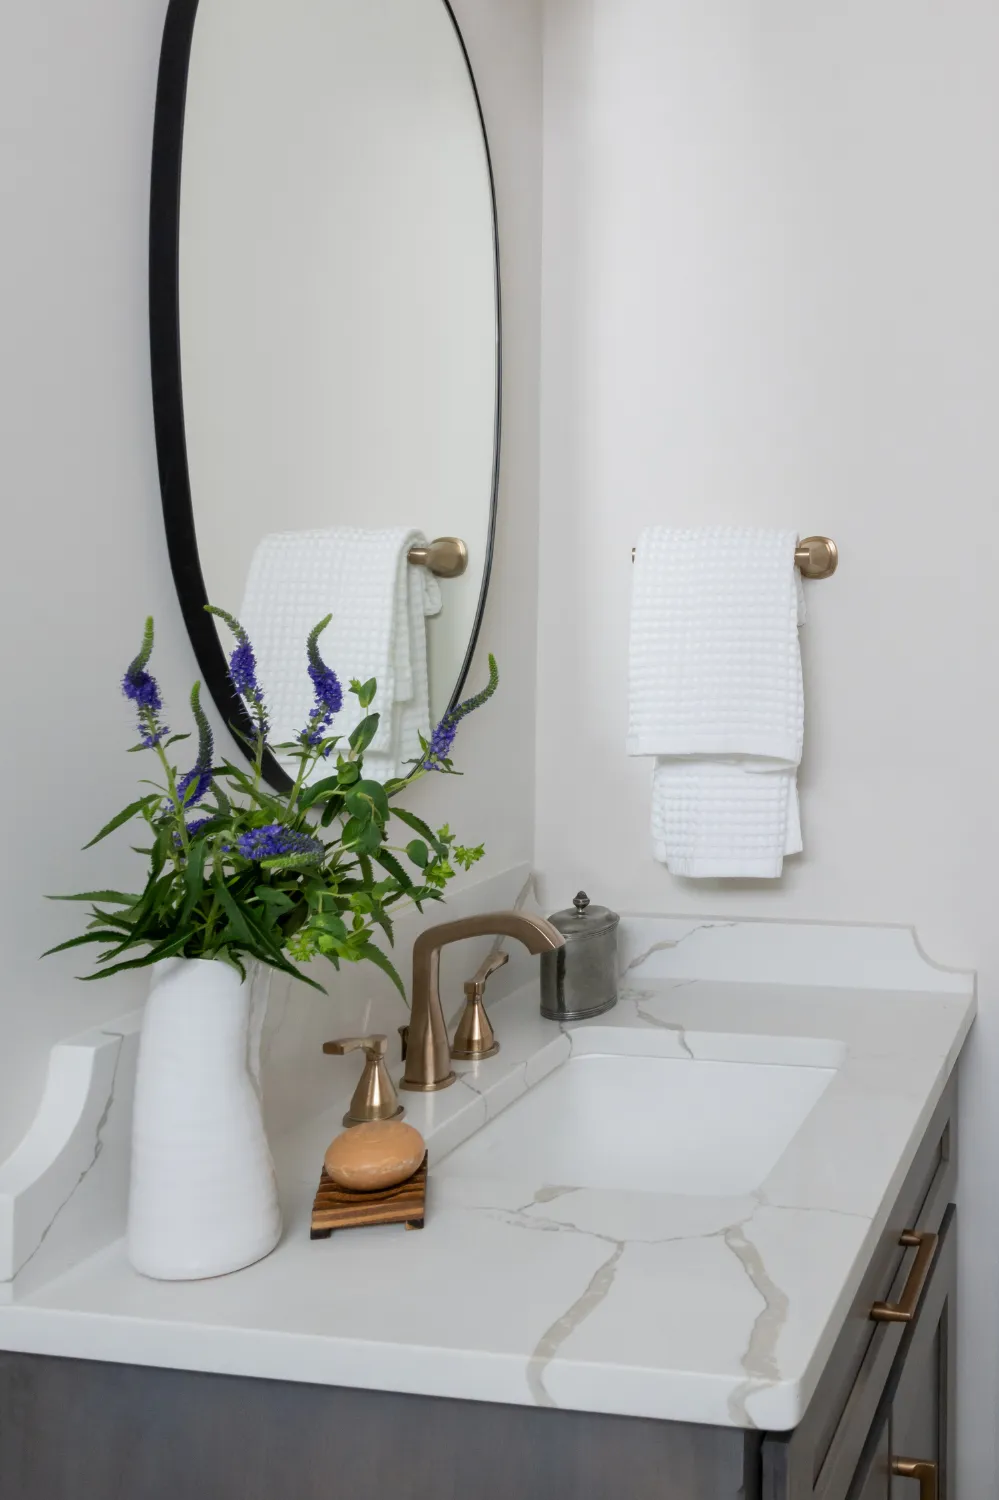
(819, 1460)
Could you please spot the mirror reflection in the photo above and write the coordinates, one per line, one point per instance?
(338, 332)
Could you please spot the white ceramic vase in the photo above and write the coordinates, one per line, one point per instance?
(203, 1197)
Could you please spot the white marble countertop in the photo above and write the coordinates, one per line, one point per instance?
(696, 1309)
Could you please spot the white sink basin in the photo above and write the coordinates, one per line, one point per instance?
(648, 1124)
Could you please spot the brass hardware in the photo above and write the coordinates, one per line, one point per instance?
(375, 1097)
(814, 557)
(445, 556)
(428, 1055)
(904, 1310)
(475, 1037)
(921, 1469)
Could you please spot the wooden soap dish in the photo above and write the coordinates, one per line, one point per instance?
(343, 1208)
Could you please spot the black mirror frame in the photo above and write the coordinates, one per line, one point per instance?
(167, 383)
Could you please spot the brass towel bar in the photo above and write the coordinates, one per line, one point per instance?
(815, 557)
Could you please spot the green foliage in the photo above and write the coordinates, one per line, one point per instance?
(282, 878)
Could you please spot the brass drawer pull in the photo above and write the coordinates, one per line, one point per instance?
(913, 1468)
(904, 1310)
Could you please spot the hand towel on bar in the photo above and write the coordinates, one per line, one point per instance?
(379, 604)
(716, 696)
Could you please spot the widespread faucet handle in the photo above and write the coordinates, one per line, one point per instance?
(475, 1037)
(375, 1046)
(476, 986)
(375, 1097)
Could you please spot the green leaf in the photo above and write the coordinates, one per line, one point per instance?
(77, 942)
(331, 924)
(389, 862)
(385, 923)
(333, 808)
(165, 949)
(255, 938)
(110, 898)
(418, 826)
(348, 773)
(194, 879)
(362, 837)
(418, 853)
(270, 896)
(365, 733)
(377, 957)
(318, 790)
(290, 862)
(126, 814)
(366, 692)
(370, 795)
(175, 739)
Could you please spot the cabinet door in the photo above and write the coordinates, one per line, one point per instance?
(874, 1480)
(922, 1405)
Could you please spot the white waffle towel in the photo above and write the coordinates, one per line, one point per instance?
(379, 605)
(715, 694)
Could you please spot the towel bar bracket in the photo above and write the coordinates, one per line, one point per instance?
(814, 557)
(446, 557)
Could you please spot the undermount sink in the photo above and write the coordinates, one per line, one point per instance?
(648, 1124)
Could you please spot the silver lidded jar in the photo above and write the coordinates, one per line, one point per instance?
(580, 979)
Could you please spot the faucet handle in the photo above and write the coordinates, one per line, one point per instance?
(476, 986)
(475, 1037)
(375, 1097)
(375, 1046)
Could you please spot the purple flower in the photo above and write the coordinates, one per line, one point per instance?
(439, 749)
(143, 690)
(441, 741)
(275, 841)
(329, 693)
(243, 671)
(192, 829)
(200, 775)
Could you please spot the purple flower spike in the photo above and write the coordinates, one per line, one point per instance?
(142, 689)
(329, 693)
(200, 774)
(439, 749)
(243, 671)
(275, 841)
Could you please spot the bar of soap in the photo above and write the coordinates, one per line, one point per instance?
(379, 1155)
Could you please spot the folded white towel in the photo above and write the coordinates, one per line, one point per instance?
(379, 605)
(716, 695)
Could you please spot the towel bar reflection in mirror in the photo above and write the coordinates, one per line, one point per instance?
(446, 556)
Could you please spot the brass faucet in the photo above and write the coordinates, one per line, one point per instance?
(428, 1054)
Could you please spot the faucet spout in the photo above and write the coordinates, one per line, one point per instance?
(428, 1054)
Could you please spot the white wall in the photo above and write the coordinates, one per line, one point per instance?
(84, 551)
(770, 292)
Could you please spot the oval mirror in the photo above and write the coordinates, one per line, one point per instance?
(325, 345)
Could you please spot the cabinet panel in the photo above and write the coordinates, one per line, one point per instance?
(922, 1424)
(915, 1418)
(874, 1483)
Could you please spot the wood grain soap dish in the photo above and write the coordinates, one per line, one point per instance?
(345, 1208)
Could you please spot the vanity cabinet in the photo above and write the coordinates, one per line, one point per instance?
(887, 1391)
(77, 1430)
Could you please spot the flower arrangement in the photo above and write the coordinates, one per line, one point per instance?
(238, 871)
